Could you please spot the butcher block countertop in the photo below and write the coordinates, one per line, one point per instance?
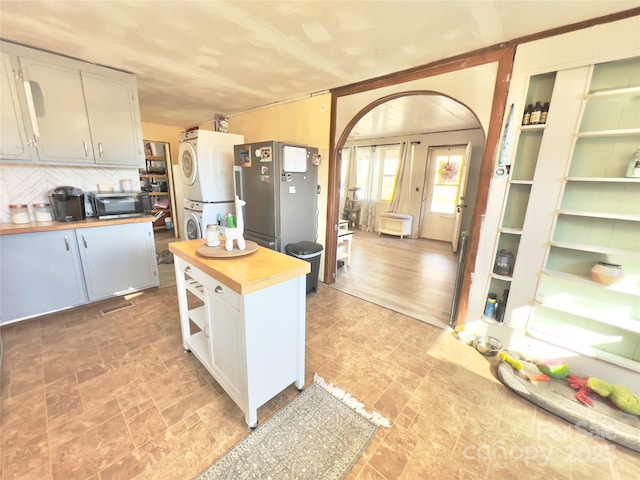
(243, 274)
(35, 227)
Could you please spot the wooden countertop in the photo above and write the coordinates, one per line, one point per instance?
(35, 227)
(245, 274)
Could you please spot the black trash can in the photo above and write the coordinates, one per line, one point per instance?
(309, 251)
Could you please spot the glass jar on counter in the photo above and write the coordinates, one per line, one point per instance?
(42, 212)
(19, 213)
(213, 238)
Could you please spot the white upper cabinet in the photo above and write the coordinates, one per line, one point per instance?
(57, 109)
(113, 120)
(13, 138)
(74, 113)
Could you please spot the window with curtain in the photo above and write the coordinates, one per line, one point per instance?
(376, 170)
(390, 163)
(372, 169)
(346, 156)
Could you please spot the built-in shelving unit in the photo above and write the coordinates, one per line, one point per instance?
(156, 179)
(519, 185)
(597, 220)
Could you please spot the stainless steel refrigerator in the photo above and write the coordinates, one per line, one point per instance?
(279, 182)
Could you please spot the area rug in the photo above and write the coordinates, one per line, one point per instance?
(319, 435)
(557, 397)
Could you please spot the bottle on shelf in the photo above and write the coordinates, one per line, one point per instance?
(545, 112)
(526, 118)
(536, 113)
(490, 306)
(501, 306)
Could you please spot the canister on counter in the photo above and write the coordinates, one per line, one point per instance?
(42, 212)
(213, 239)
(19, 213)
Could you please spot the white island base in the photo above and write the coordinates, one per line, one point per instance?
(244, 319)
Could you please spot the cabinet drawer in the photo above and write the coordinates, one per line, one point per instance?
(222, 292)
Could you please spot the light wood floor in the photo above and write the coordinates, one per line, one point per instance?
(411, 276)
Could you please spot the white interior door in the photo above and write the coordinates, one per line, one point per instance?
(442, 189)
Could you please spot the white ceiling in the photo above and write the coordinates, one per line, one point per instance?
(198, 59)
(412, 115)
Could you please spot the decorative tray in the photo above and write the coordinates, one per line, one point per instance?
(220, 252)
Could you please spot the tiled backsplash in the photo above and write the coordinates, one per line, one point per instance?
(29, 184)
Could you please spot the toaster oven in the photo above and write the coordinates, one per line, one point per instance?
(120, 204)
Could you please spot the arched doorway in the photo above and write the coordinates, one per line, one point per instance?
(428, 121)
(479, 81)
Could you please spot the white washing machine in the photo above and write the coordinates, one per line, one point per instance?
(197, 215)
(206, 163)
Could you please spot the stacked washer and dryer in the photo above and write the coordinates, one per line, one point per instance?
(206, 164)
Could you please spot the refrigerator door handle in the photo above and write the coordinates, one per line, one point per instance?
(237, 179)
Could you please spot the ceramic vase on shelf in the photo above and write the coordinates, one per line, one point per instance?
(633, 171)
(607, 273)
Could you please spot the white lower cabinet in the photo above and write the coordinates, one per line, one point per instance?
(39, 272)
(117, 259)
(47, 271)
(225, 344)
(252, 344)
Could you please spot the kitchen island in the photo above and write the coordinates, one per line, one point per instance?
(244, 319)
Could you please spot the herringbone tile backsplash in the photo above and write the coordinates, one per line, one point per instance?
(27, 184)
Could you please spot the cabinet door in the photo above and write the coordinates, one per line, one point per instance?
(39, 273)
(117, 259)
(226, 351)
(13, 138)
(115, 128)
(56, 98)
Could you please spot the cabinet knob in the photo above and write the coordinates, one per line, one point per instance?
(219, 289)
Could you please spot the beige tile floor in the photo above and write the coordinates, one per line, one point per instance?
(86, 396)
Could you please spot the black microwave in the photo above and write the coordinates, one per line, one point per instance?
(120, 205)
